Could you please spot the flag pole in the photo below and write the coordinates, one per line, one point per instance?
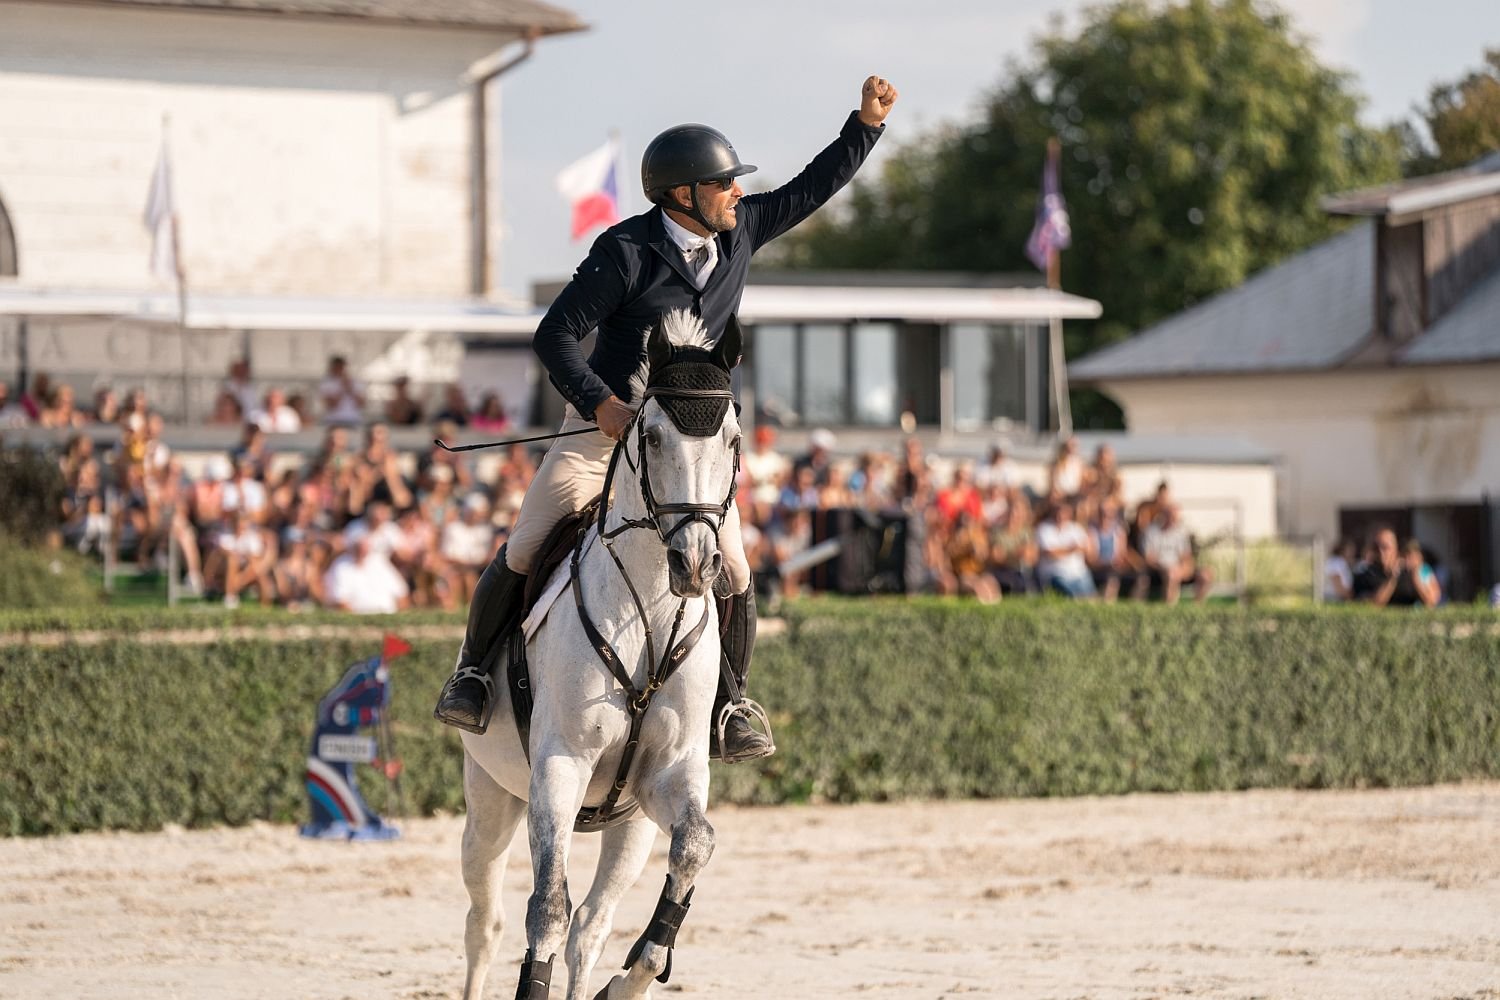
(1062, 407)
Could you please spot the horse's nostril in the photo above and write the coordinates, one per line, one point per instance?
(678, 563)
(714, 565)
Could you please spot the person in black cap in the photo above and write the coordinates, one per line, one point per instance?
(691, 251)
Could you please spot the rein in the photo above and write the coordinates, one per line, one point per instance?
(638, 700)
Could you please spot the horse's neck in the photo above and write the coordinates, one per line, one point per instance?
(641, 553)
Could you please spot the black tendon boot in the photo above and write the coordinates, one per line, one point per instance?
(494, 612)
(733, 738)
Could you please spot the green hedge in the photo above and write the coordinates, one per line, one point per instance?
(872, 700)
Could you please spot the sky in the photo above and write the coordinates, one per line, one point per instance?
(780, 76)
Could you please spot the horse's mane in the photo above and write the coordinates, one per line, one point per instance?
(690, 341)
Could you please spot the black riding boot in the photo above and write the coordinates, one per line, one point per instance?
(493, 613)
(732, 738)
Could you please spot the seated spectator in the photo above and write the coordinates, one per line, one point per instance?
(1104, 474)
(275, 416)
(363, 580)
(417, 559)
(1063, 552)
(12, 413)
(237, 386)
(401, 410)
(967, 554)
(835, 494)
(763, 470)
(86, 527)
(35, 401)
(1397, 577)
(455, 408)
(135, 407)
(343, 398)
(1169, 557)
(790, 536)
(377, 527)
(298, 580)
(491, 415)
(61, 409)
(1112, 563)
(468, 543)
(819, 457)
(227, 410)
(106, 405)
(1338, 572)
(1066, 476)
(245, 492)
(298, 403)
(960, 496)
(802, 492)
(244, 557)
(997, 471)
(1013, 549)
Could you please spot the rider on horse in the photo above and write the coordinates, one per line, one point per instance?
(689, 252)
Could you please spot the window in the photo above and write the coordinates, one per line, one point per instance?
(825, 376)
(774, 356)
(989, 374)
(876, 386)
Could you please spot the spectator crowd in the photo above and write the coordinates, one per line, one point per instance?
(357, 526)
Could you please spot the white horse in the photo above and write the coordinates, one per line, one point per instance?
(670, 492)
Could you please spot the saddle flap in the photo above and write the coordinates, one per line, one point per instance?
(561, 541)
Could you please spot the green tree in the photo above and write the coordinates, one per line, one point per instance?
(1197, 141)
(1463, 119)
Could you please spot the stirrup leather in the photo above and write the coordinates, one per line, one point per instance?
(752, 710)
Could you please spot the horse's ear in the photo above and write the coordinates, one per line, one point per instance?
(658, 347)
(728, 351)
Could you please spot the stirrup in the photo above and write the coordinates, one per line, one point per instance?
(752, 710)
(470, 672)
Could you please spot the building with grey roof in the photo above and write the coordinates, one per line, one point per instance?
(1370, 363)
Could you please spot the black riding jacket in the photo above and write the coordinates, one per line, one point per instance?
(634, 273)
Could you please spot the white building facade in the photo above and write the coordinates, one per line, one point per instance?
(329, 152)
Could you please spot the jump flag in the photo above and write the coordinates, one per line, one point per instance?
(359, 701)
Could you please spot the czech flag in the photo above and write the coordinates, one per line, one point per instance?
(591, 185)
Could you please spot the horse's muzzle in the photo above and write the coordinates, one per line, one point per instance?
(692, 569)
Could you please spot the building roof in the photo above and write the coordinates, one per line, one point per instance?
(273, 312)
(810, 303)
(1310, 311)
(498, 15)
(1420, 194)
(1469, 332)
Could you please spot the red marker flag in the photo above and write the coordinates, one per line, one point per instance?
(393, 648)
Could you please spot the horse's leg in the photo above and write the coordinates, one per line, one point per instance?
(490, 824)
(558, 784)
(678, 800)
(622, 857)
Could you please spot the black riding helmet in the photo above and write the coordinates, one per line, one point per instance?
(688, 154)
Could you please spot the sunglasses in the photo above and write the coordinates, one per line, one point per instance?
(722, 183)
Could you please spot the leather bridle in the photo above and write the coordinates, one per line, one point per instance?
(658, 671)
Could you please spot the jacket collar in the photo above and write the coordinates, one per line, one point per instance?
(659, 241)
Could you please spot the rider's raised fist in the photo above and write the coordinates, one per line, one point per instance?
(875, 100)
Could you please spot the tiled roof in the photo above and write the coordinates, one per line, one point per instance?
(506, 15)
(1308, 312)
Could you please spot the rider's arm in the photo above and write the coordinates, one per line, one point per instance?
(597, 289)
(768, 215)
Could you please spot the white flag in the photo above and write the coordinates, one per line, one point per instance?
(161, 219)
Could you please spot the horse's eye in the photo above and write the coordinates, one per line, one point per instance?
(653, 437)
